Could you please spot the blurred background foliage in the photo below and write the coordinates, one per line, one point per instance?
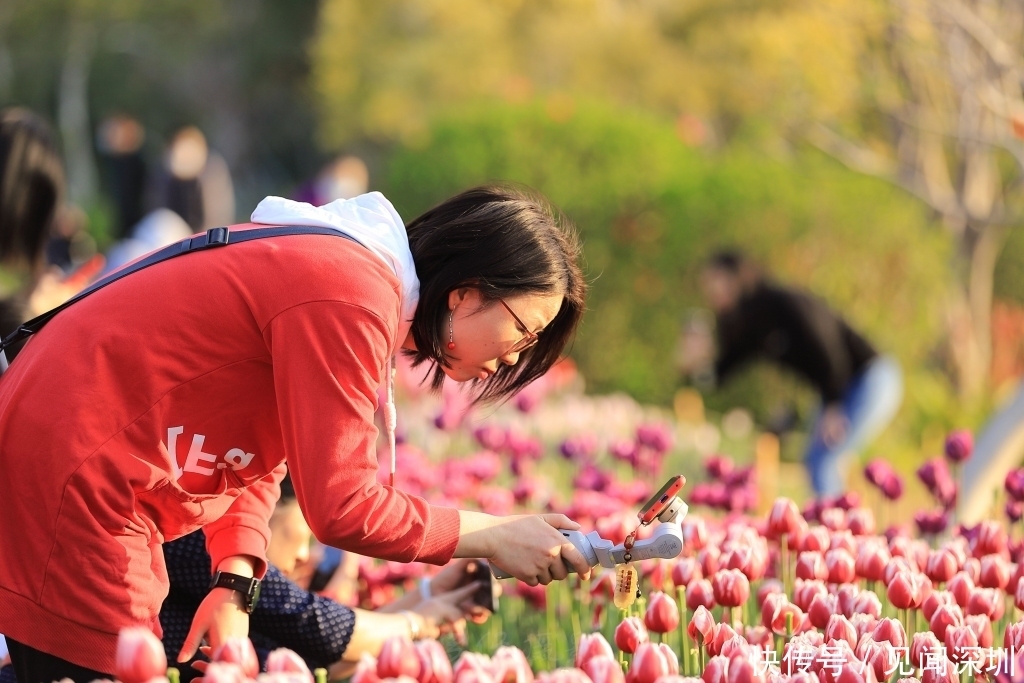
(663, 130)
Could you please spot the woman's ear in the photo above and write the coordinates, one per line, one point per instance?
(463, 295)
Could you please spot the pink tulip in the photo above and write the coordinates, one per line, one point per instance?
(708, 558)
(892, 631)
(473, 668)
(770, 606)
(833, 519)
(702, 626)
(563, 676)
(942, 565)
(816, 540)
(961, 586)
(987, 601)
(700, 593)
(846, 597)
(861, 521)
(786, 616)
(840, 628)
(752, 560)
(716, 670)
(972, 567)
(140, 656)
(1013, 639)
(602, 669)
(509, 665)
(898, 564)
(283, 660)
(959, 445)
(742, 669)
(685, 571)
(758, 636)
(839, 565)
(695, 533)
(991, 539)
(435, 667)
(905, 591)
(1014, 484)
(867, 603)
(961, 645)
(592, 645)
(881, 657)
(768, 587)
(366, 670)
(940, 670)
(805, 591)
(871, 561)
(995, 572)
(982, 627)
(662, 613)
(936, 477)
(222, 672)
(650, 662)
(604, 586)
(723, 633)
(864, 623)
(944, 618)
(398, 657)
(923, 643)
(238, 651)
(932, 602)
(784, 518)
(811, 566)
(731, 587)
(630, 634)
(821, 610)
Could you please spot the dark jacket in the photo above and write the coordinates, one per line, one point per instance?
(797, 331)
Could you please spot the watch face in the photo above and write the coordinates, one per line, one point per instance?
(254, 596)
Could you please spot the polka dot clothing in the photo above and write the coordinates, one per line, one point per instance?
(316, 628)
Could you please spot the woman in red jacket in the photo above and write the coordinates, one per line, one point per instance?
(174, 398)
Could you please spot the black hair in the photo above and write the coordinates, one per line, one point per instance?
(31, 185)
(738, 264)
(502, 240)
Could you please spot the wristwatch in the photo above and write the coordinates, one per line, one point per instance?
(246, 585)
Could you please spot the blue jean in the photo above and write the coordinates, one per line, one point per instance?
(869, 404)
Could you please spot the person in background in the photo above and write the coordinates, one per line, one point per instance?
(757, 318)
(324, 633)
(119, 140)
(343, 178)
(197, 183)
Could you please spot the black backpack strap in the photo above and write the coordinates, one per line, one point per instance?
(213, 238)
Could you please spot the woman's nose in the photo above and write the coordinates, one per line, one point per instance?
(510, 358)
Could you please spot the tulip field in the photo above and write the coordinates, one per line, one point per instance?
(813, 594)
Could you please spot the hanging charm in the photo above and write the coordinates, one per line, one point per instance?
(626, 585)
(451, 330)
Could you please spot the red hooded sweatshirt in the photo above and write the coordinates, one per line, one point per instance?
(171, 400)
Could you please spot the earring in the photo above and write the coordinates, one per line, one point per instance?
(451, 330)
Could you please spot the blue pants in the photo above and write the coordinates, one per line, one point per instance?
(870, 403)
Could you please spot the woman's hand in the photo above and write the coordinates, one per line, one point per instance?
(220, 616)
(529, 547)
(446, 613)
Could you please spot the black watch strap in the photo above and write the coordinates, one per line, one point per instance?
(246, 585)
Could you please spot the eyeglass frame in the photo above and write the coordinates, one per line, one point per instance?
(526, 342)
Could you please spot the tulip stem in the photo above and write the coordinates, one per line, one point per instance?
(173, 675)
(320, 674)
(684, 635)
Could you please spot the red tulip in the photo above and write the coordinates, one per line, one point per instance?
(1013, 639)
(435, 667)
(662, 613)
(821, 610)
(702, 626)
(932, 602)
(604, 586)
(995, 572)
(961, 645)
(722, 634)
(686, 570)
(846, 597)
(945, 617)
(942, 565)
(592, 645)
(700, 593)
(972, 567)
(731, 587)
(891, 631)
(872, 561)
(238, 651)
(991, 539)
(602, 669)
(811, 566)
(784, 519)
(695, 533)
(398, 657)
(921, 645)
(140, 656)
(987, 601)
(716, 670)
(804, 592)
(961, 586)
(708, 558)
(509, 665)
(651, 662)
(630, 634)
(905, 590)
(982, 627)
(840, 628)
(839, 565)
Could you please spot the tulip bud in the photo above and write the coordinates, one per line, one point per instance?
(602, 669)
(840, 628)
(222, 672)
(1013, 639)
(435, 667)
(872, 561)
(742, 669)
(905, 590)
(861, 521)
(867, 603)
(959, 446)
(708, 558)
(811, 566)
(651, 662)
(839, 564)
(592, 645)
(238, 651)
(700, 593)
(923, 643)
(881, 657)
(140, 656)
(662, 613)
(564, 676)
(472, 667)
(784, 518)
(723, 633)
(366, 670)
(940, 670)
(509, 665)
(731, 587)
(702, 626)
(987, 601)
(961, 586)
(945, 617)
(685, 571)
(716, 670)
(630, 634)
(787, 617)
(398, 657)
(816, 540)
(995, 572)
(821, 610)
(805, 591)
(942, 565)
(961, 645)
(982, 627)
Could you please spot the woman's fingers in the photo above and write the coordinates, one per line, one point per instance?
(560, 521)
(574, 557)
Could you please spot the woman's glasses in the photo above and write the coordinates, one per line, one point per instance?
(526, 342)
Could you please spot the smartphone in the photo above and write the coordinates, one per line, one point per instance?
(487, 595)
(660, 500)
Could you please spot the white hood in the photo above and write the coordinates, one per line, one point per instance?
(372, 221)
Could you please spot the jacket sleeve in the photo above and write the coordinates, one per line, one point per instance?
(243, 529)
(329, 359)
(827, 361)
